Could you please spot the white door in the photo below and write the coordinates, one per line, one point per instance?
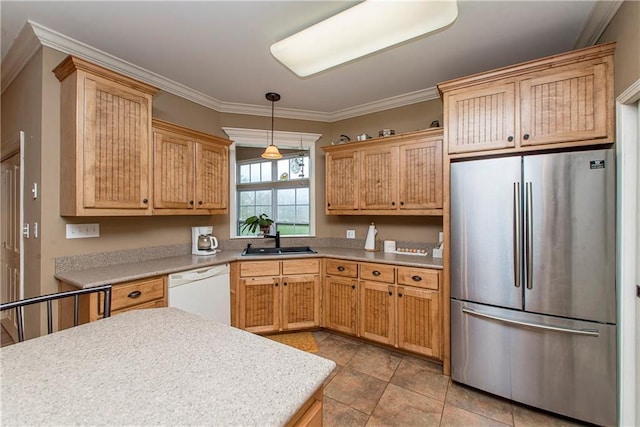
(11, 223)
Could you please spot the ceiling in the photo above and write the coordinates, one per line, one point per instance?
(217, 52)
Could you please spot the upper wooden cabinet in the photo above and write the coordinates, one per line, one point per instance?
(191, 172)
(399, 175)
(559, 101)
(105, 144)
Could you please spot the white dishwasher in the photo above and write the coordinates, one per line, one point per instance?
(205, 292)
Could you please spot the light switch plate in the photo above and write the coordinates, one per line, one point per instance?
(351, 234)
(82, 231)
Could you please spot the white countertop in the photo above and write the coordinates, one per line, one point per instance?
(119, 273)
(156, 367)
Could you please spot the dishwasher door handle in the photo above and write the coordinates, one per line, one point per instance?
(191, 276)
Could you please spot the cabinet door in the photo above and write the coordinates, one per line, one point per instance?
(212, 176)
(173, 171)
(565, 106)
(339, 304)
(342, 180)
(117, 146)
(421, 175)
(260, 304)
(377, 312)
(481, 119)
(300, 302)
(379, 178)
(418, 321)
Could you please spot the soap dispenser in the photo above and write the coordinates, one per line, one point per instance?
(370, 243)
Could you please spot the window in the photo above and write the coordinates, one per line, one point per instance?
(277, 188)
(282, 189)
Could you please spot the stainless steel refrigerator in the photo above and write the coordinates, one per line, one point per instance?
(533, 291)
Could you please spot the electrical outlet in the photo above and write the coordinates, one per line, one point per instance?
(82, 231)
(351, 234)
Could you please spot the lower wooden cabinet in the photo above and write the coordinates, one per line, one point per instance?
(418, 320)
(377, 312)
(391, 305)
(138, 294)
(271, 302)
(339, 304)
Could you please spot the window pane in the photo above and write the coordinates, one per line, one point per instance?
(246, 212)
(247, 198)
(245, 174)
(286, 214)
(302, 196)
(266, 171)
(287, 197)
(255, 172)
(283, 168)
(302, 214)
(263, 197)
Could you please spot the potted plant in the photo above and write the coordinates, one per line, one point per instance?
(253, 222)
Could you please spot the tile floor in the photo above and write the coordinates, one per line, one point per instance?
(374, 386)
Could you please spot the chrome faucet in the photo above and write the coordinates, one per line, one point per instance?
(276, 236)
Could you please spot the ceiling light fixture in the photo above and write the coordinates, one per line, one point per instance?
(272, 152)
(363, 29)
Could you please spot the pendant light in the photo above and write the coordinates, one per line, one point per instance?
(272, 152)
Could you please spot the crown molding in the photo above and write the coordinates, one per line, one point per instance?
(631, 94)
(33, 35)
(281, 138)
(21, 51)
(601, 14)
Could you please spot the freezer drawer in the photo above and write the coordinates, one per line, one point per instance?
(560, 365)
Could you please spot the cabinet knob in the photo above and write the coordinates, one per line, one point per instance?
(376, 273)
(390, 293)
(401, 203)
(134, 294)
(328, 205)
(399, 295)
(284, 284)
(393, 203)
(416, 278)
(145, 201)
(276, 284)
(510, 139)
(353, 286)
(525, 136)
(191, 202)
(340, 268)
(200, 202)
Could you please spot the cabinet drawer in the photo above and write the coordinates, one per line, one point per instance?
(301, 266)
(134, 293)
(259, 268)
(419, 277)
(378, 272)
(336, 267)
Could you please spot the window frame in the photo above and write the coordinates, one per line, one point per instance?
(261, 138)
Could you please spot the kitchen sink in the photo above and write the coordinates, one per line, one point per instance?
(292, 250)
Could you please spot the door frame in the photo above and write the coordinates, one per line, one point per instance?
(8, 319)
(628, 248)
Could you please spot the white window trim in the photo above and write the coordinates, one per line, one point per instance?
(282, 139)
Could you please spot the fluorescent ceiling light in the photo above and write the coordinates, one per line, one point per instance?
(363, 29)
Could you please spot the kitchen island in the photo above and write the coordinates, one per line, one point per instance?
(156, 367)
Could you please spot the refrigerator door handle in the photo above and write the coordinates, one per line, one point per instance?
(528, 234)
(586, 332)
(517, 234)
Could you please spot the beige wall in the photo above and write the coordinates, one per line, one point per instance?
(37, 85)
(624, 29)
